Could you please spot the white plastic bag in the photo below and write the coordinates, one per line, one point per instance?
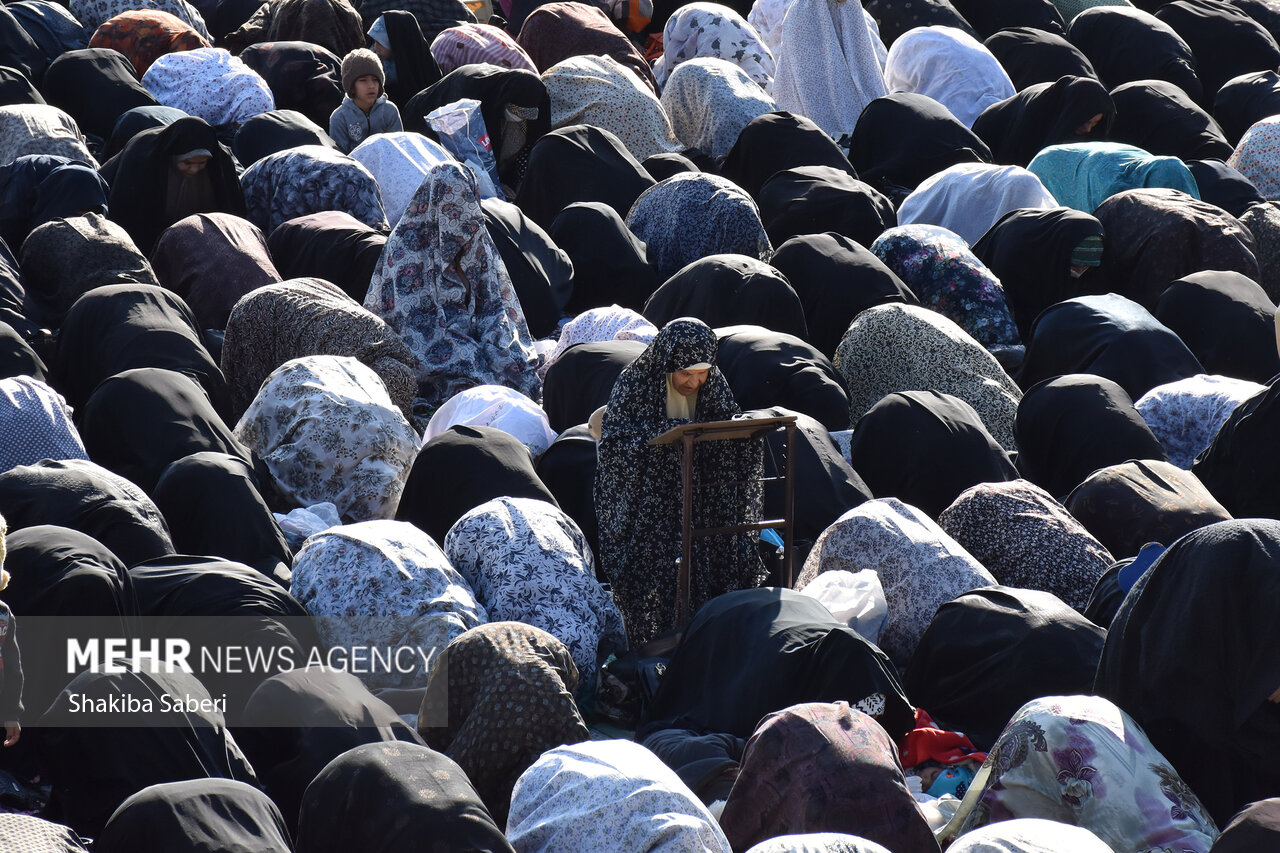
(856, 599)
(301, 523)
(460, 126)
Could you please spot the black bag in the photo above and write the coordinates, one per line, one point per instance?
(628, 684)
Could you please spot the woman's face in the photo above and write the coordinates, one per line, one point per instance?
(1089, 125)
(687, 382)
(192, 166)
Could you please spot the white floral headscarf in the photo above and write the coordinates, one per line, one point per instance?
(604, 93)
(713, 30)
(209, 83)
(828, 68)
(530, 562)
(710, 101)
(327, 430)
(386, 585)
(612, 323)
(608, 795)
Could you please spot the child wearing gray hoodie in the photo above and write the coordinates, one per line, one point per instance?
(365, 110)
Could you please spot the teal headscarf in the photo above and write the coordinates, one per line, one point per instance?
(1085, 174)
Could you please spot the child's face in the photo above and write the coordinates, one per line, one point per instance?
(366, 90)
(928, 775)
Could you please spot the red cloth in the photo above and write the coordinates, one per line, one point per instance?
(927, 742)
(143, 36)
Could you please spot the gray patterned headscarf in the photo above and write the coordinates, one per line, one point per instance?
(441, 285)
(310, 179)
(891, 348)
(692, 215)
(310, 316)
(710, 101)
(41, 129)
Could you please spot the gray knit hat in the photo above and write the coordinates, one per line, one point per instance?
(359, 63)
